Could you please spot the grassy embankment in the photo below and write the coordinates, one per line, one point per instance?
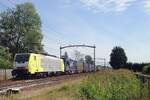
(104, 85)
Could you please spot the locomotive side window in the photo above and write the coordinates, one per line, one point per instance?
(34, 57)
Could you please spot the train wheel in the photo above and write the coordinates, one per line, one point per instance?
(49, 74)
(70, 72)
(66, 72)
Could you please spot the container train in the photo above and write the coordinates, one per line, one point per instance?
(31, 64)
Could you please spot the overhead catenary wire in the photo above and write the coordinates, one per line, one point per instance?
(51, 39)
(3, 5)
(54, 50)
(58, 35)
(11, 2)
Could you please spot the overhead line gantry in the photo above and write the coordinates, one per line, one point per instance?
(70, 46)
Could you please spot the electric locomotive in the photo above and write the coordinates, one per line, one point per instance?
(26, 64)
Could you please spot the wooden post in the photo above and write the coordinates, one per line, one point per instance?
(104, 62)
(5, 74)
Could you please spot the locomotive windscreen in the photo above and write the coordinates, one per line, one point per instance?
(22, 58)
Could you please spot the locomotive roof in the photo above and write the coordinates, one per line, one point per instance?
(37, 53)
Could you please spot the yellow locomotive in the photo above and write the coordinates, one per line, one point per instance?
(30, 64)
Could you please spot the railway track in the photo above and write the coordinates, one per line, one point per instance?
(17, 86)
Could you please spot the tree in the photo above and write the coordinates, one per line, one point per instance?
(5, 58)
(20, 29)
(146, 69)
(118, 58)
(88, 59)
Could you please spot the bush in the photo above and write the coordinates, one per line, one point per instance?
(5, 64)
(146, 69)
(5, 58)
(136, 67)
(120, 85)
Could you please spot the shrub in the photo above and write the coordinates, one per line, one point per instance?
(146, 69)
(5, 58)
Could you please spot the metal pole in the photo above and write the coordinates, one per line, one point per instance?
(94, 58)
(104, 62)
(60, 51)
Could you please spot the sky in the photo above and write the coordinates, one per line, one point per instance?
(103, 23)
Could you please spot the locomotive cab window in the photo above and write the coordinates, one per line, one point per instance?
(22, 58)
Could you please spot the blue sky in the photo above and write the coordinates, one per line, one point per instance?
(105, 23)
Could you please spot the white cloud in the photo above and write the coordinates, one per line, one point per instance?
(146, 4)
(107, 5)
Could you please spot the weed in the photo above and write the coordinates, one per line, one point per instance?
(112, 85)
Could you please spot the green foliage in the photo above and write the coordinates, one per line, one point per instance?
(146, 69)
(118, 58)
(5, 58)
(120, 85)
(20, 29)
(88, 59)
